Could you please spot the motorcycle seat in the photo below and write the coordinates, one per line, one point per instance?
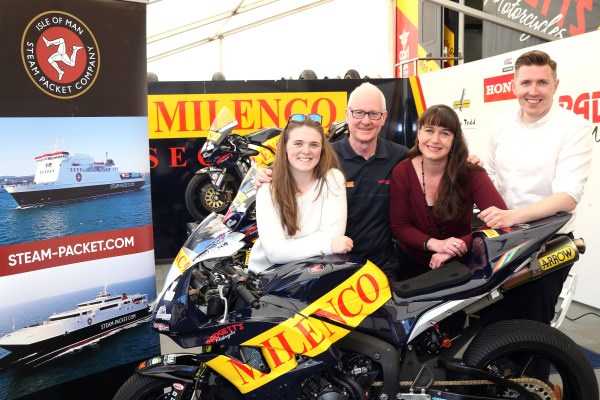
(452, 274)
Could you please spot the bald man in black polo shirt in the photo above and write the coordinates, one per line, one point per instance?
(368, 161)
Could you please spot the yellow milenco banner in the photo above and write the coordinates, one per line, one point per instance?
(190, 115)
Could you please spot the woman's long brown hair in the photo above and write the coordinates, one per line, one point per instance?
(452, 194)
(283, 186)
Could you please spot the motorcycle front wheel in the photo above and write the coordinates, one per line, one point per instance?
(141, 387)
(529, 349)
(203, 198)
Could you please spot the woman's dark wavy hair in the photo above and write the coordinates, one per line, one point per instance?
(283, 186)
(452, 194)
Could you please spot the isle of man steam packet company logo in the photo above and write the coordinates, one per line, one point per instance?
(60, 54)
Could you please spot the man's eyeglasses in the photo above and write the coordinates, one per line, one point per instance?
(302, 117)
(373, 115)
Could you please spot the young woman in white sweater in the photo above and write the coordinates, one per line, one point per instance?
(302, 212)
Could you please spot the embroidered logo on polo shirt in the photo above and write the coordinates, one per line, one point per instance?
(384, 181)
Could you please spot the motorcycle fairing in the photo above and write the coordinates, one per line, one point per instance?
(169, 366)
(211, 238)
(312, 331)
(266, 151)
(299, 280)
(264, 135)
(515, 244)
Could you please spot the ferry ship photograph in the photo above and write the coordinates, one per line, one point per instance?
(73, 176)
(62, 177)
(87, 170)
(72, 330)
(60, 324)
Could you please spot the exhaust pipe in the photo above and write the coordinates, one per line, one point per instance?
(560, 252)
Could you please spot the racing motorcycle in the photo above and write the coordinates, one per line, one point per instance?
(227, 157)
(334, 328)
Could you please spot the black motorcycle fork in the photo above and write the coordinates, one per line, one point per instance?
(218, 177)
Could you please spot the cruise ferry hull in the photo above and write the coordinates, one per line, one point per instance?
(38, 352)
(34, 195)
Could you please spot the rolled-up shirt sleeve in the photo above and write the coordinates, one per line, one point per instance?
(574, 163)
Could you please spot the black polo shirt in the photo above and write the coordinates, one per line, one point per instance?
(368, 194)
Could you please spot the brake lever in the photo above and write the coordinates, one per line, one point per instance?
(221, 288)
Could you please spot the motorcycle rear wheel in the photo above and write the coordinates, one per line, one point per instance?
(512, 349)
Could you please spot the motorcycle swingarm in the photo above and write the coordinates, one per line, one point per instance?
(480, 374)
(170, 366)
(441, 395)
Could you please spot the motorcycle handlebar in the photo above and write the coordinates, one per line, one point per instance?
(247, 296)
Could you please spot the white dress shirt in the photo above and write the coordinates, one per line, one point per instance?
(530, 162)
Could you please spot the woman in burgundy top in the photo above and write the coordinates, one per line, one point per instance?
(432, 194)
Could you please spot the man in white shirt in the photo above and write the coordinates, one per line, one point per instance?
(540, 158)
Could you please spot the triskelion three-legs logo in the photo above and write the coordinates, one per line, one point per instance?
(60, 54)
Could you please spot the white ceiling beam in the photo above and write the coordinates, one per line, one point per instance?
(206, 21)
(236, 30)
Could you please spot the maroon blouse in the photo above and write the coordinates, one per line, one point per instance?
(412, 223)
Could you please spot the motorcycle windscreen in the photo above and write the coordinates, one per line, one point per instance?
(222, 125)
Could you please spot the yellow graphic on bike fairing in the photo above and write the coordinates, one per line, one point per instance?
(265, 156)
(490, 233)
(348, 304)
(182, 261)
(213, 136)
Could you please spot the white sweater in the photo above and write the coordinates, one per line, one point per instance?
(320, 220)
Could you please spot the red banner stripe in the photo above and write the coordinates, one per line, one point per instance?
(32, 256)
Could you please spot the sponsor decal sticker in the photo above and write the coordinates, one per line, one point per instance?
(182, 261)
(60, 54)
(155, 360)
(557, 258)
(170, 359)
(316, 269)
(490, 233)
(159, 326)
(161, 313)
(224, 333)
